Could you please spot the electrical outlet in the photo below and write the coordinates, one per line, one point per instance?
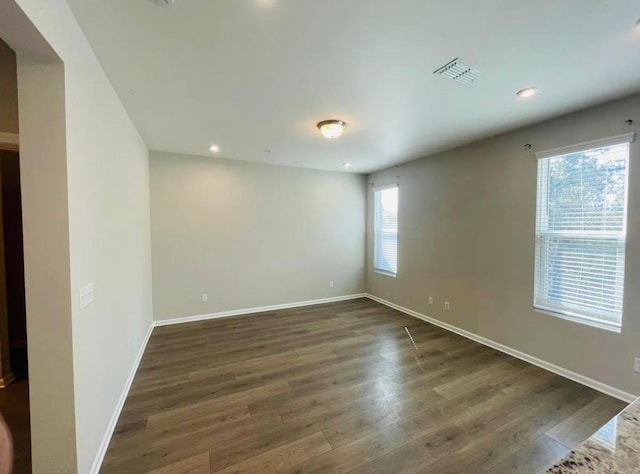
(636, 364)
(430, 299)
(330, 283)
(205, 297)
(447, 306)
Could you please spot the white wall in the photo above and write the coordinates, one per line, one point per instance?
(466, 235)
(251, 235)
(96, 174)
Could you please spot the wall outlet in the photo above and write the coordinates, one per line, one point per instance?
(87, 295)
(636, 364)
(447, 306)
(330, 283)
(205, 297)
(430, 299)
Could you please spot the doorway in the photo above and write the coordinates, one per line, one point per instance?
(11, 209)
(14, 381)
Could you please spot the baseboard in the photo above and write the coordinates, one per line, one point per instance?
(259, 309)
(97, 462)
(589, 382)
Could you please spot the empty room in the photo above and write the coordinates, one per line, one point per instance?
(340, 236)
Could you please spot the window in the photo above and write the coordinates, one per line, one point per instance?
(581, 231)
(385, 223)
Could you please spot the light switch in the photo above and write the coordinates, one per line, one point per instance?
(87, 295)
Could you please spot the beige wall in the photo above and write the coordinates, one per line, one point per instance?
(251, 235)
(466, 235)
(47, 268)
(85, 186)
(8, 90)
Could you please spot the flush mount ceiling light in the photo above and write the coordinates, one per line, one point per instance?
(214, 148)
(346, 165)
(332, 128)
(527, 92)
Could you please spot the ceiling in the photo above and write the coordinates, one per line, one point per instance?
(257, 75)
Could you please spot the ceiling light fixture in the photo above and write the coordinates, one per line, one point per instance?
(332, 128)
(346, 165)
(214, 148)
(527, 92)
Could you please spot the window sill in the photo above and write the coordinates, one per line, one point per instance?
(382, 272)
(579, 320)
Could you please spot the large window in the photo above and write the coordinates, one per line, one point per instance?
(581, 231)
(385, 223)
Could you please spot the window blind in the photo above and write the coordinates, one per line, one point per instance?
(385, 225)
(581, 232)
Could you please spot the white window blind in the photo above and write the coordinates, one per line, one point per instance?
(385, 254)
(581, 231)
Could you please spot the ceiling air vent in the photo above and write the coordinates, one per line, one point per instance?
(459, 71)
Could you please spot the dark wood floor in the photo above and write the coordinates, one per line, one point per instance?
(14, 406)
(343, 387)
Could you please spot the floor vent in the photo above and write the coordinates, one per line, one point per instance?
(458, 71)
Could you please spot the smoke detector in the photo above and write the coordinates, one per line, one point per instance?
(459, 71)
(163, 3)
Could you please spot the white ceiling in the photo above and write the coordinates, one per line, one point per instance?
(252, 75)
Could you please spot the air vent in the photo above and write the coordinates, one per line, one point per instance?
(459, 71)
(163, 3)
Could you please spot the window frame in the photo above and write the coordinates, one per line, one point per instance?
(568, 314)
(375, 190)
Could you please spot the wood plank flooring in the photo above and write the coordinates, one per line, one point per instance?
(14, 406)
(343, 387)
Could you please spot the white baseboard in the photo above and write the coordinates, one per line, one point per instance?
(97, 462)
(589, 382)
(259, 309)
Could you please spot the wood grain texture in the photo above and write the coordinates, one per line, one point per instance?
(343, 387)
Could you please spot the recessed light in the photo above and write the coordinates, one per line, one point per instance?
(332, 128)
(346, 165)
(527, 92)
(214, 148)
